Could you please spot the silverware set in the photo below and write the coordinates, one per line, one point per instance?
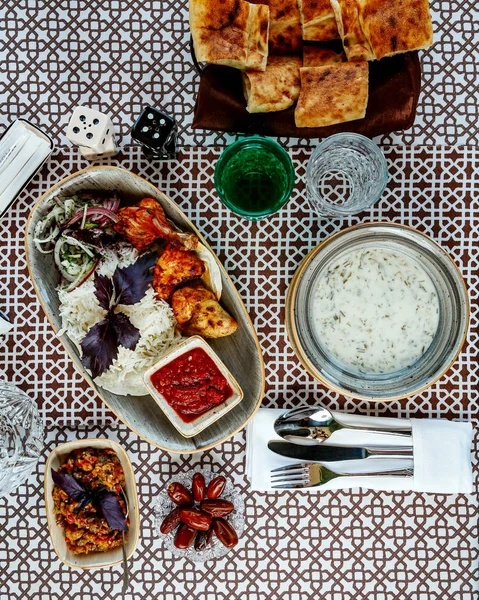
(306, 431)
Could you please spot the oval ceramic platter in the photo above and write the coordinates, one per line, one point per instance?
(240, 352)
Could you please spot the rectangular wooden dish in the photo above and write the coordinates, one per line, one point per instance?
(94, 560)
(240, 352)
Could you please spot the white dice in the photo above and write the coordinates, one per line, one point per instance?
(89, 128)
(108, 149)
(92, 131)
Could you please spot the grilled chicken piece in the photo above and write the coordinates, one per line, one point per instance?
(175, 267)
(198, 312)
(146, 222)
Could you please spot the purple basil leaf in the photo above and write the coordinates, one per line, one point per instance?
(71, 487)
(103, 290)
(100, 347)
(112, 512)
(126, 333)
(132, 282)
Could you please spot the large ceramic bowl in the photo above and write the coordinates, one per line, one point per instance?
(453, 313)
(240, 352)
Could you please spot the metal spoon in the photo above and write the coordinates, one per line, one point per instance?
(311, 425)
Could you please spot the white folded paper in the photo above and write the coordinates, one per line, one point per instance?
(441, 449)
(23, 149)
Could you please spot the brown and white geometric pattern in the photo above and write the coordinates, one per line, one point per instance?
(345, 545)
(433, 189)
(118, 56)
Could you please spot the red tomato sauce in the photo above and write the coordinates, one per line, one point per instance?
(192, 384)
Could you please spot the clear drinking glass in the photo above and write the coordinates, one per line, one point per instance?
(346, 174)
(21, 437)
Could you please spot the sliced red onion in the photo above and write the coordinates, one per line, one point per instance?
(113, 204)
(93, 212)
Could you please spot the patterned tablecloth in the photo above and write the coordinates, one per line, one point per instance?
(347, 545)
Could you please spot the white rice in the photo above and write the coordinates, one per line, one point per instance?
(79, 310)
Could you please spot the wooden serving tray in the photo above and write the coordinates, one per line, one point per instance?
(240, 352)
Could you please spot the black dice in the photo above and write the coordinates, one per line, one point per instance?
(156, 132)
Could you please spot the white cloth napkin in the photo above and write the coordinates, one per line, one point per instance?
(442, 454)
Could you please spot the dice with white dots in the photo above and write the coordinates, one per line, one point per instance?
(90, 129)
(156, 132)
(109, 148)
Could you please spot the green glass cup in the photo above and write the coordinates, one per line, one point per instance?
(254, 177)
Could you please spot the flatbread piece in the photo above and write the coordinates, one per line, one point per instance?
(285, 35)
(332, 94)
(258, 30)
(318, 20)
(396, 26)
(221, 31)
(315, 56)
(277, 88)
(355, 42)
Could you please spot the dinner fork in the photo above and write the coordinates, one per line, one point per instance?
(302, 475)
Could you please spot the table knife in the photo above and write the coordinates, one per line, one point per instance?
(335, 453)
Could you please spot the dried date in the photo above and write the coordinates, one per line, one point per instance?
(184, 537)
(225, 532)
(179, 494)
(203, 539)
(195, 519)
(217, 508)
(216, 487)
(199, 487)
(171, 521)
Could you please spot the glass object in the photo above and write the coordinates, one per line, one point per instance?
(254, 177)
(346, 174)
(165, 505)
(21, 437)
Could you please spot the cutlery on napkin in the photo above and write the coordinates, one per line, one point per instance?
(436, 442)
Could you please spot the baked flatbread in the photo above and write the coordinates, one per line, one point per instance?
(315, 56)
(355, 43)
(221, 31)
(318, 20)
(258, 29)
(277, 88)
(332, 94)
(396, 26)
(285, 35)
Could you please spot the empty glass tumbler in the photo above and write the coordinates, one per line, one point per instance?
(21, 437)
(346, 174)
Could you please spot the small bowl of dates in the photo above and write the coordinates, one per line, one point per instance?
(200, 515)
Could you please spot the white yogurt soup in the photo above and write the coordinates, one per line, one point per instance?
(376, 311)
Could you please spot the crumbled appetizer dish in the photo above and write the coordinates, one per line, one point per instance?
(376, 311)
(132, 285)
(89, 500)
